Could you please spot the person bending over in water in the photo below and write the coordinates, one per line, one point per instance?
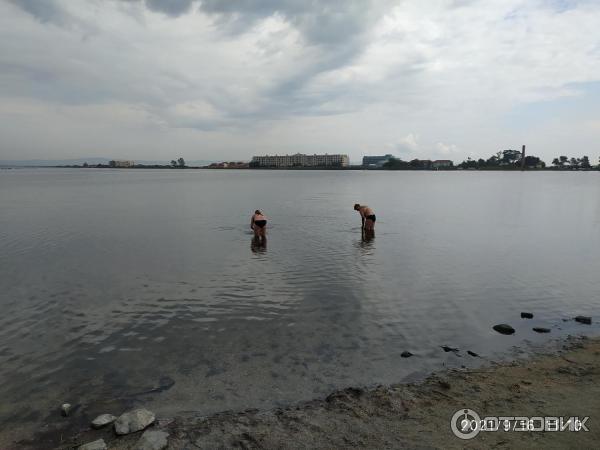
(368, 217)
(258, 223)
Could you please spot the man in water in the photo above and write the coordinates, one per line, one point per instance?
(258, 223)
(368, 217)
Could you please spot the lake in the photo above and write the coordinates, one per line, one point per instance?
(144, 287)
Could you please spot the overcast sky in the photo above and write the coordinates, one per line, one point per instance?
(227, 79)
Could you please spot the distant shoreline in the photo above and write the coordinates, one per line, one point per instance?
(350, 168)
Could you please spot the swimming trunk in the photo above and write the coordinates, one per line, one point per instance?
(260, 223)
(371, 217)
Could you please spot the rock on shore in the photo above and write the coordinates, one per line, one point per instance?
(103, 420)
(133, 421)
(95, 445)
(152, 440)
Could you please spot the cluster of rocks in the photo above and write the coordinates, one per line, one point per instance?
(127, 423)
(504, 328)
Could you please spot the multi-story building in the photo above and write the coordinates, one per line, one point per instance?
(441, 164)
(375, 161)
(300, 160)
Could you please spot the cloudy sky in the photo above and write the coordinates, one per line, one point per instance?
(227, 79)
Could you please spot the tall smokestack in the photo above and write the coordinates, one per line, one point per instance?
(523, 158)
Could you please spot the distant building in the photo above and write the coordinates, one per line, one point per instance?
(441, 164)
(121, 163)
(300, 160)
(375, 161)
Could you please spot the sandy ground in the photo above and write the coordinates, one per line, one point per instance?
(562, 384)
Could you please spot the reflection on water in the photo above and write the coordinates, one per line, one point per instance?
(368, 236)
(118, 290)
(258, 244)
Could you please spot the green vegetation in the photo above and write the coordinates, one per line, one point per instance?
(504, 160)
(565, 163)
(180, 163)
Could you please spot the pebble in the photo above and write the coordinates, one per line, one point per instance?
(449, 349)
(103, 420)
(541, 330)
(503, 328)
(584, 319)
(472, 353)
(65, 409)
(406, 354)
(526, 315)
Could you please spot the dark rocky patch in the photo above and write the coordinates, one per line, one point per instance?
(406, 354)
(469, 352)
(526, 315)
(584, 319)
(541, 330)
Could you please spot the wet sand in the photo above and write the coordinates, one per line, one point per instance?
(562, 381)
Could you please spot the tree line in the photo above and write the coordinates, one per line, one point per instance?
(502, 160)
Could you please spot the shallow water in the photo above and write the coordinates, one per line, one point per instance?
(126, 287)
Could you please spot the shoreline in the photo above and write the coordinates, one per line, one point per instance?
(562, 380)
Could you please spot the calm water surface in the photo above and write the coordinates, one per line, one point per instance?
(128, 287)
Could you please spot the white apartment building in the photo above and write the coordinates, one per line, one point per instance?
(301, 160)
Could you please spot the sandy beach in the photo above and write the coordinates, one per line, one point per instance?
(562, 381)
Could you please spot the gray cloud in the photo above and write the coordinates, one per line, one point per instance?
(232, 72)
(44, 11)
(171, 7)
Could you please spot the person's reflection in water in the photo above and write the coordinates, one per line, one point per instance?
(366, 243)
(258, 245)
(368, 235)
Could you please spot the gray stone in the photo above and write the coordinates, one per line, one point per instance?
(526, 315)
(65, 409)
(503, 328)
(103, 420)
(449, 349)
(473, 354)
(584, 319)
(152, 440)
(96, 445)
(541, 330)
(133, 421)
(406, 354)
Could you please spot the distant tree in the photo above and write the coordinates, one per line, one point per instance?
(181, 162)
(534, 161)
(563, 160)
(112, 163)
(173, 163)
(416, 164)
(510, 157)
(585, 163)
(481, 163)
(468, 164)
(574, 162)
(493, 160)
(85, 164)
(396, 164)
(556, 162)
